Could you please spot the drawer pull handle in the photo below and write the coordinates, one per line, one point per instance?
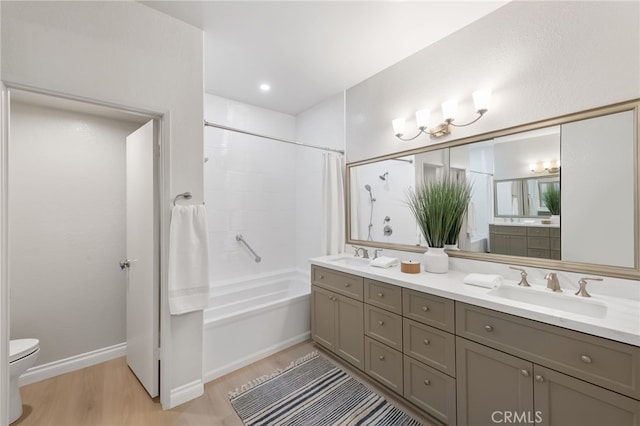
(488, 328)
(586, 359)
(347, 284)
(380, 322)
(525, 373)
(322, 277)
(427, 382)
(425, 308)
(426, 342)
(539, 378)
(381, 357)
(380, 295)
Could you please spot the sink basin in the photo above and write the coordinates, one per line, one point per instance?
(547, 299)
(350, 261)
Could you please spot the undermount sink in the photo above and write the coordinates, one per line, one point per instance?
(547, 299)
(350, 261)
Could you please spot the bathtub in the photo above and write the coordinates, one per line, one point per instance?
(253, 318)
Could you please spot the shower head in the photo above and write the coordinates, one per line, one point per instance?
(368, 188)
(384, 176)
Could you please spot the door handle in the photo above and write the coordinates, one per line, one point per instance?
(125, 264)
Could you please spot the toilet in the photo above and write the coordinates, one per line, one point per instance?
(22, 355)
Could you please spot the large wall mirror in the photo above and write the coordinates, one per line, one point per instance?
(560, 194)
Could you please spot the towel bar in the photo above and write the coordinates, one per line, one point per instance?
(185, 195)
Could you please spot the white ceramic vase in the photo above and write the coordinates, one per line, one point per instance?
(436, 260)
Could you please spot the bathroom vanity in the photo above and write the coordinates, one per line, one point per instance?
(468, 356)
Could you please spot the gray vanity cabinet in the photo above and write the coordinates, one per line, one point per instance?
(337, 321)
(511, 240)
(530, 241)
(491, 384)
(495, 387)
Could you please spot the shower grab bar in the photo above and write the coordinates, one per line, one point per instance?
(239, 238)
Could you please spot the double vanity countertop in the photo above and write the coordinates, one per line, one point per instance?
(528, 224)
(619, 319)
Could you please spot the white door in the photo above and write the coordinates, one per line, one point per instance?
(142, 262)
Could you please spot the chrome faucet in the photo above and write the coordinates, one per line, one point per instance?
(358, 250)
(375, 253)
(583, 286)
(523, 277)
(552, 282)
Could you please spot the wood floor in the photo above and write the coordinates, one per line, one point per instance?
(108, 394)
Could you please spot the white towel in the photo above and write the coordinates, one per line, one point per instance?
(483, 280)
(188, 260)
(472, 226)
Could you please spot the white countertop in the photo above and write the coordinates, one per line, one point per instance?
(621, 323)
(533, 224)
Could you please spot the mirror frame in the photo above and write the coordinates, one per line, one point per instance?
(587, 268)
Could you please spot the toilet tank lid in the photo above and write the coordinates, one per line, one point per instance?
(20, 348)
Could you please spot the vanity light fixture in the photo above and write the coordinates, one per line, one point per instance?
(545, 167)
(481, 101)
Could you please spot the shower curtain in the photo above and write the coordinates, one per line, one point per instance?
(333, 240)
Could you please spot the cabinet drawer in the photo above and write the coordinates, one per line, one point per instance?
(539, 253)
(383, 326)
(538, 243)
(429, 345)
(428, 309)
(606, 363)
(347, 284)
(383, 364)
(554, 232)
(554, 243)
(537, 232)
(509, 230)
(430, 390)
(383, 295)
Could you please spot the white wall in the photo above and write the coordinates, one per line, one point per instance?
(67, 209)
(250, 188)
(513, 156)
(542, 59)
(322, 125)
(127, 54)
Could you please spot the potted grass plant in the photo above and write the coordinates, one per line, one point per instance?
(439, 207)
(551, 200)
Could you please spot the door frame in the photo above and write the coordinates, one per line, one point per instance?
(163, 182)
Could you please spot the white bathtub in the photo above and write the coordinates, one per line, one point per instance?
(250, 319)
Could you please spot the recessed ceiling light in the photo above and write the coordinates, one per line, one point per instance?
(265, 87)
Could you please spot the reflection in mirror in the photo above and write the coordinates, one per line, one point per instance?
(378, 205)
(581, 209)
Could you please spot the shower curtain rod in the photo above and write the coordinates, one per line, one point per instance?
(233, 129)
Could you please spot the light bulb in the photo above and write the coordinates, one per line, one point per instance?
(449, 110)
(398, 126)
(546, 165)
(532, 167)
(422, 118)
(482, 100)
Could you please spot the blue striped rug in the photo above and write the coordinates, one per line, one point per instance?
(314, 392)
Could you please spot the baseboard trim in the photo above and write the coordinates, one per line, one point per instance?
(243, 362)
(73, 363)
(185, 393)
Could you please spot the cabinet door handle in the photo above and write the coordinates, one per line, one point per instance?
(322, 277)
(489, 328)
(380, 295)
(381, 357)
(539, 378)
(380, 322)
(427, 382)
(426, 341)
(425, 308)
(347, 284)
(586, 359)
(525, 373)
